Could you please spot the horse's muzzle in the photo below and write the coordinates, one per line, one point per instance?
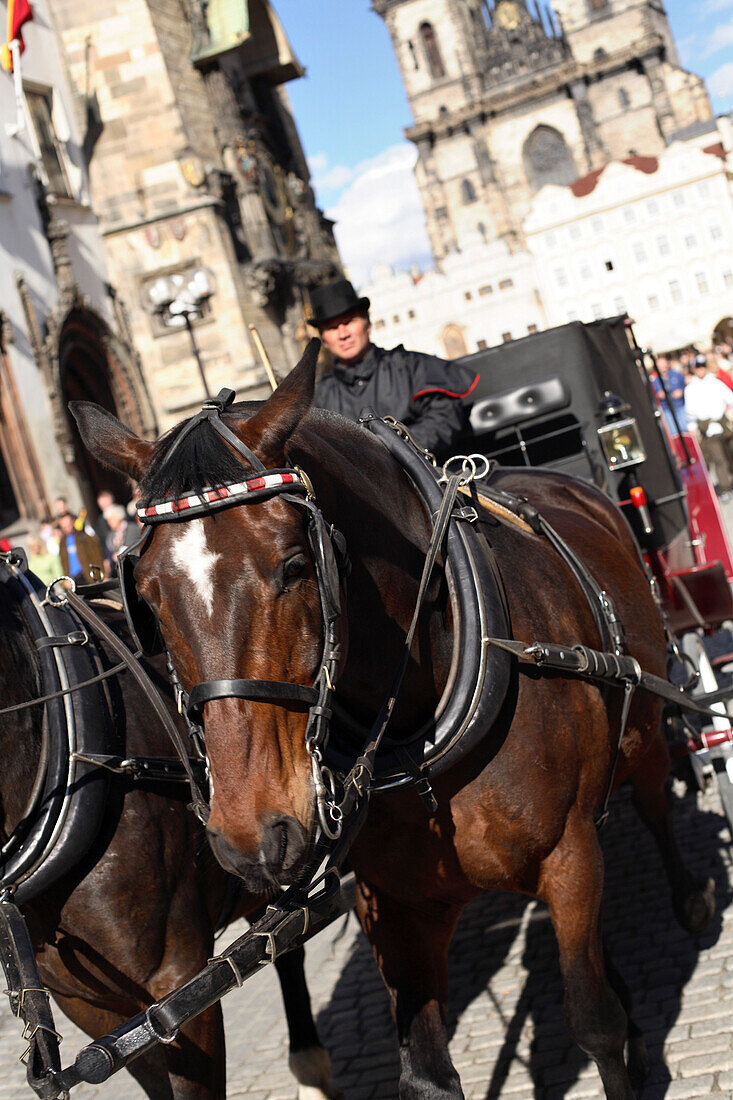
(277, 862)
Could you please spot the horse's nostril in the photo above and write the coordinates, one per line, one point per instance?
(283, 843)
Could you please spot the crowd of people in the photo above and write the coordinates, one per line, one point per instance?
(71, 546)
(697, 396)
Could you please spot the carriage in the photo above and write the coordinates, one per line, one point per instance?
(586, 406)
(430, 558)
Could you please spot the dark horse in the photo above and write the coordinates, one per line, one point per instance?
(235, 596)
(136, 917)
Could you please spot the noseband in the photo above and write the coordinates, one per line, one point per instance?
(329, 561)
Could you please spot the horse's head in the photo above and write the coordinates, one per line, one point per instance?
(236, 595)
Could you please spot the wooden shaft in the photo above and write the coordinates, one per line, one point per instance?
(263, 356)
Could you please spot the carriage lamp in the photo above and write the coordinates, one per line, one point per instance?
(619, 436)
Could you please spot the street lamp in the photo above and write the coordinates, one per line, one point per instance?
(177, 300)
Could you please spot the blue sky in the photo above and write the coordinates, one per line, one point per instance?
(351, 111)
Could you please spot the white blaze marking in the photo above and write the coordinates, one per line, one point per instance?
(196, 560)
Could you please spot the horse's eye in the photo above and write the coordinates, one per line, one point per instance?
(292, 570)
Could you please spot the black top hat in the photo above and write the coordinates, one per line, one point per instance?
(334, 299)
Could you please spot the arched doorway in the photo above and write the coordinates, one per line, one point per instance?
(453, 340)
(723, 331)
(84, 373)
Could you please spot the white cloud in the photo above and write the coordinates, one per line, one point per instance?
(720, 82)
(718, 39)
(328, 177)
(379, 217)
(711, 7)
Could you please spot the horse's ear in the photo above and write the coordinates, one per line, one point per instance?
(108, 440)
(270, 428)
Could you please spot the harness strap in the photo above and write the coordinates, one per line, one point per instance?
(579, 660)
(199, 804)
(269, 691)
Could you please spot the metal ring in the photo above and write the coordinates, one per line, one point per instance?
(486, 467)
(51, 597)
(161, 1038)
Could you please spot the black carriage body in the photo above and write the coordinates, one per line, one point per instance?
(538, 403)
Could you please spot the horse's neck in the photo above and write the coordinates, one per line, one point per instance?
(363, 491)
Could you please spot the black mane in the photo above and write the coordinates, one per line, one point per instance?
(201, 461)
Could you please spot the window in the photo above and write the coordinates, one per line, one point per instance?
(597, 5)
(379, 324)
(728, 278)
(547, 158)
(550, 240)
(653, 301)
(432, 51)
(506, 284)
(597, 224)
(572, 315)
(467, 295)
(703, 188)
(468, 192)
(609, 265)
(575, 232)
(597, 311)
(531, 329)
(395, 318)
(639, 252)
(585, 271)
(690, 240)
(52, 156)
(652, 208)
(624, 99)
(561, 276)
(481, 345)
(715, 232)
(619, 304)
(702, 282)
(678, 198)
(411, 314)
(663, 246)
(413, 55)
(675, 290)
(629, 215)
(485, 290)
(506, 337)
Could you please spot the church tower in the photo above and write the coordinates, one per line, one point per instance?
(508, 95)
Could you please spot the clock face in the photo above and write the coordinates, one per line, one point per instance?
(508, 15)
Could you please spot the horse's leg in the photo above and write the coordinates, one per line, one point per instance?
(637, 1060)
(309, 1062)
(411, 949)
(693, 900)
(192, 1068)
(571, 883)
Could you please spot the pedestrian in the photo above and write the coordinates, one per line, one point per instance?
(82, 557)
(708, 401)
(674, 384)
(45, 565)
(421, 391)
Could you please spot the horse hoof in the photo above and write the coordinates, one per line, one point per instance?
(698, 909)
(312, 1070)
(637, 1062)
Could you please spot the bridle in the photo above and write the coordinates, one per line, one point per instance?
(329, 561)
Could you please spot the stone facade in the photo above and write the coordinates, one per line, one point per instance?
(64, 332)
(506, 98)
(199, 162)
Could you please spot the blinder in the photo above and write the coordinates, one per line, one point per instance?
(141, 620)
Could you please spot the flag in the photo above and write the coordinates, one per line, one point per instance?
(19, 12)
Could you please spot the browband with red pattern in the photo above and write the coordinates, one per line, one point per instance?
(223, 496)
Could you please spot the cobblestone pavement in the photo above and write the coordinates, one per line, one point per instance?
(508, 1038)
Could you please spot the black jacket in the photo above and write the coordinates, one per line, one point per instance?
(421, 391)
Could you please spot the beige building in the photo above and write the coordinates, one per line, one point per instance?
(651, 236)
(507, 97)
(200, 185)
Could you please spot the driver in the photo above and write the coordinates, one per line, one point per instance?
(421, 391)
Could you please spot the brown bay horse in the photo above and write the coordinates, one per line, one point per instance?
(236, 596)
(136, 917)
